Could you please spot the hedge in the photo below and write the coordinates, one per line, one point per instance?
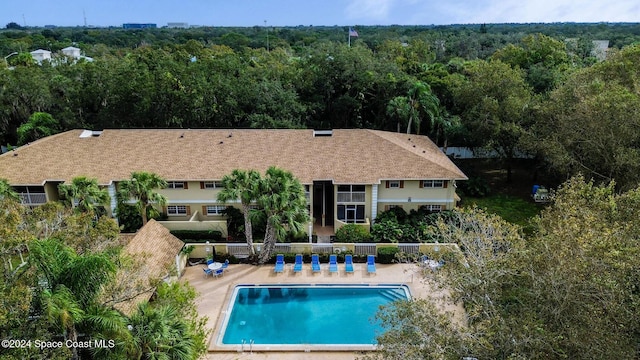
(386, 255)
(198, 236)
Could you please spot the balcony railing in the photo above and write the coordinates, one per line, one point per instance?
(33, 198)
(351, 196)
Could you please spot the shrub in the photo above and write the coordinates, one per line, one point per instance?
(386, 255)
(386, 231)
(352, 233)
(198, 236)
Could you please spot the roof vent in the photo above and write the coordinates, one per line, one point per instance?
(318, 133)
(89, 133)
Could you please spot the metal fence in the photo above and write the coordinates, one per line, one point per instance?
(242, 250)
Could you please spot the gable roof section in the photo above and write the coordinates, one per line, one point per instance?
(154, 245)
(348, 156)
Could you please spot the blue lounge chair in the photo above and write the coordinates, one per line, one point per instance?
(315, 263)
(218, 272)
(371, 264)
(279, 263)
(348, 264)
(225, 264)
(207, 272)
(209, 261)
(333, 263)
(297, 267)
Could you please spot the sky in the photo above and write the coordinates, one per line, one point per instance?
(313, 12)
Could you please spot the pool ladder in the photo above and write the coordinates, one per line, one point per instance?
(250, 345)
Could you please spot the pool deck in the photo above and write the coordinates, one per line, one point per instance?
(214, 295)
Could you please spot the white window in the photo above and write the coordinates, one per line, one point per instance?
(394, 184)
(351, 193)
(433, 208)
(432, 183)
(176, 185)
(176, 210)
(215, 209)
(212, 184)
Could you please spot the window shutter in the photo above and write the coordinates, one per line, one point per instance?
(387, 184)
(204, 210)
(421, 184)
(386, 208)
(444, 183)
(401, 184)
(164, 209)
(188, 210)
(186, 185)
(201, 184)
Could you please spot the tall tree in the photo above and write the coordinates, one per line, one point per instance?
(419, 103)
(283, 202)
(39, 125)
(142, 188)
(83, 194)
(544, 59)
(493, 103)
(244, 186)
(590, 124)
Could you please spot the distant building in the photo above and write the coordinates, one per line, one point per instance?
(71, 51)
(74, 53)
(139, 26)
(41, 55)
(178, 25)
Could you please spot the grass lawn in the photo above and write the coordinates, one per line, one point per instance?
(515, 210)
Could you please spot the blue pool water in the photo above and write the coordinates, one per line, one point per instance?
(302, 314)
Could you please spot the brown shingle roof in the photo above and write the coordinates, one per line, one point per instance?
(348, 156)
(154, 245)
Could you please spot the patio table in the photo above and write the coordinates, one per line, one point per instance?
(215, 266)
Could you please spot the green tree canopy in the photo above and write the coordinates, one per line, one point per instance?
(568, 289)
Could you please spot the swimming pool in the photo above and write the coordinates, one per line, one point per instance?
(279, 315)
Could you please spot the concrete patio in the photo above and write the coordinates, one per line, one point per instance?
(214, 294)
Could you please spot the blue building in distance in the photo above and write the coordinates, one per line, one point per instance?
(139, 26)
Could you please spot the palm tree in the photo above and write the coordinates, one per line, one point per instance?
(160, 333)
(419, 102)
(70, 285)
(242, 185)
(285, 206)
(7, 192)
(142, 187)
(62, 310)
(83, 194)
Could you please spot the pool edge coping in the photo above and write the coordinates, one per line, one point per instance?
(216, 334)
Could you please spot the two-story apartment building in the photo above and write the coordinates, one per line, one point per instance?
(350, 175)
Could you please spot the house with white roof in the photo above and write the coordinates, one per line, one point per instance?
(41, 55)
